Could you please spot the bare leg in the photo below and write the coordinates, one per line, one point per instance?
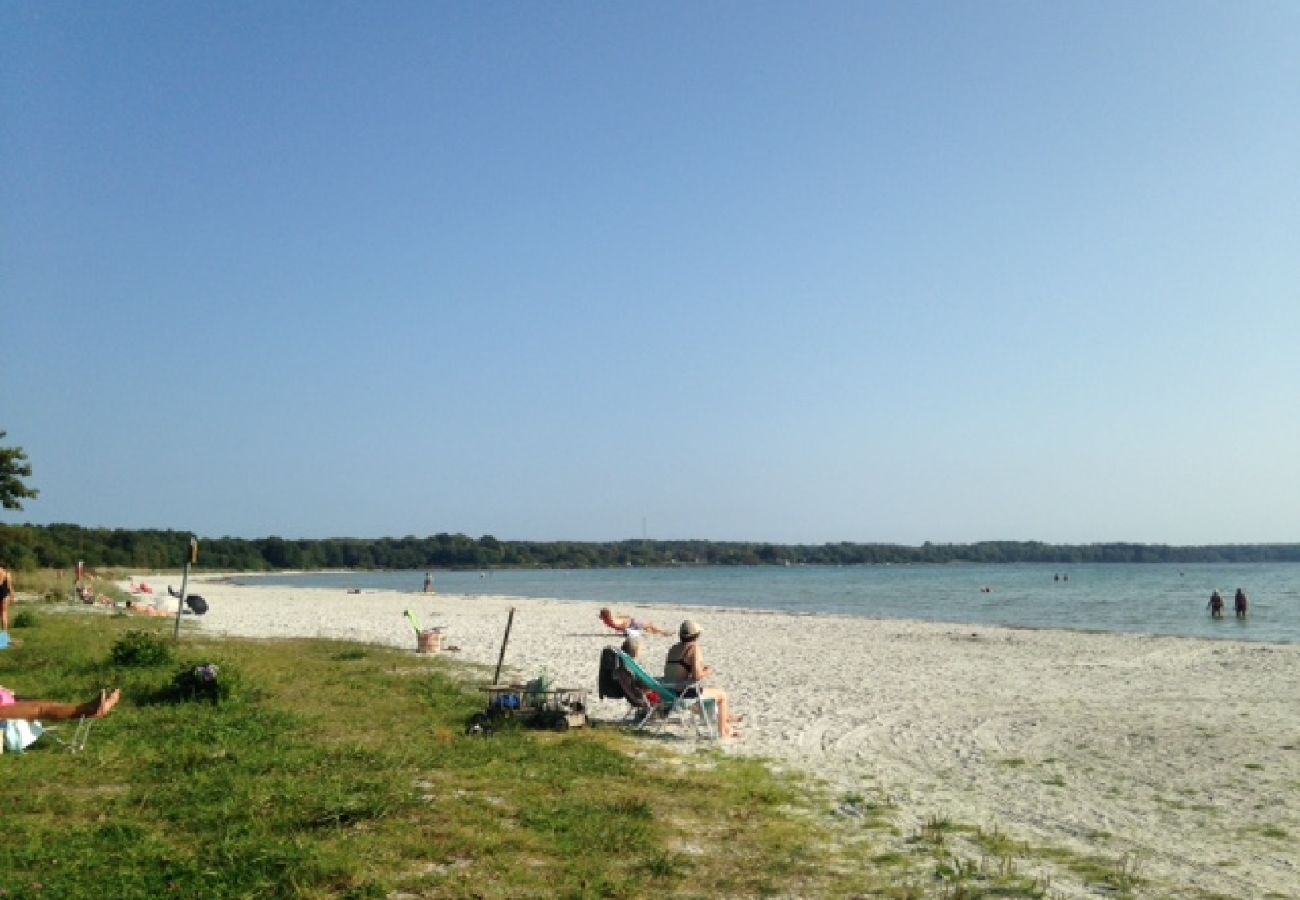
(726, 724)
(56, 712)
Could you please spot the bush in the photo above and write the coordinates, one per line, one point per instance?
(141, 649)
(24, 619)
(207, 682)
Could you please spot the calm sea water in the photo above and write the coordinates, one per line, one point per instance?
(1149, 599)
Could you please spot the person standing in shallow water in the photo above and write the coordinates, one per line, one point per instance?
(1240, 604)
(1215, 606)
(428, 582)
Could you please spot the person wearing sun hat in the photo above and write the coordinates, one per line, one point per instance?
(685, 666)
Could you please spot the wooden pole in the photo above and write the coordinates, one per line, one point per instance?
(180, 604)
(185, 578)
(505, 640)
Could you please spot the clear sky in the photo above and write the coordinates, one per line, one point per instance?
(791, 272)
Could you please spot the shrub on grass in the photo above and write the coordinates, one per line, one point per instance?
(141, 649)
(205, 682)
(24, 619)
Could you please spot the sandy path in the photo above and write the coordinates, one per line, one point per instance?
(1186, 751)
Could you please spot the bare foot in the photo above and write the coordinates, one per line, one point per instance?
(106, 703)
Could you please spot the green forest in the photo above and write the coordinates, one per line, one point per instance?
(26, 547)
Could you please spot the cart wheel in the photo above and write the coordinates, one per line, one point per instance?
(480, 725)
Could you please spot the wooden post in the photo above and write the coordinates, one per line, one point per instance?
(505, 640)
(185, 578)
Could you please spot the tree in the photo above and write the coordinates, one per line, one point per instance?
(13, 469)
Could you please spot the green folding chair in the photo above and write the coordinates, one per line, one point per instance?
(675, 703)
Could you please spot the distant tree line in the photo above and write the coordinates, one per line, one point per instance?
(61, 546)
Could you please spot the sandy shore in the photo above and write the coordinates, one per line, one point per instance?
(1186, 752)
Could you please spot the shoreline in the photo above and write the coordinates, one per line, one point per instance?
(1184, 751)
(1106, 598)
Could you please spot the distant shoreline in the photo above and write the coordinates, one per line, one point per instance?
(23, 545)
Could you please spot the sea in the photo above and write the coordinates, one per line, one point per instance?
(1142, 598)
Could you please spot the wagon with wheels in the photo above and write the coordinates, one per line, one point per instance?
(539, 706)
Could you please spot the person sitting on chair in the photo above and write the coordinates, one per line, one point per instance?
(642, 698)
(630, 627)
(49, 711)
(685, 666)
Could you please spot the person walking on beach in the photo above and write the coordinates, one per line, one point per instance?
(1240, 604)
(6, 596)
(1215, 606)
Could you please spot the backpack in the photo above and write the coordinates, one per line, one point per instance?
(607, 680)
(196, 603)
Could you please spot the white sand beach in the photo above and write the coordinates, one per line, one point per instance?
(1184, 752)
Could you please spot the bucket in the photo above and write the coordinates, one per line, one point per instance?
(429, 641)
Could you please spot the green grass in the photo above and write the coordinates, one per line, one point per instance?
(337, 770)
(326, 769)
(1273, 832)
(56, 585)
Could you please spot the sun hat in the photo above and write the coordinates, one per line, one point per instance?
(688, 630)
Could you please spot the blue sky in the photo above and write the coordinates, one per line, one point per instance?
(780, 272)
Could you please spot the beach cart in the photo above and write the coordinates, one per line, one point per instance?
(535, 705)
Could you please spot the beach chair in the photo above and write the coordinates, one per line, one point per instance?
(642, 702)
(675, 704)
(19, 734)
(80, 735)
(615, 682)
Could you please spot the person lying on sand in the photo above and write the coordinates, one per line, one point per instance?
(147, 610)
(630, 627)
(49, 711)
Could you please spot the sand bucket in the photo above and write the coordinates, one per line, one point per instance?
(429, 641)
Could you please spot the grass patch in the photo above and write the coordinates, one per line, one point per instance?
(1272, 832)
(321, 769)
(56, 586)
(333, 770)
(870, 813)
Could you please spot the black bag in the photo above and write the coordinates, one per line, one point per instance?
(606, 683)
(196, 604)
